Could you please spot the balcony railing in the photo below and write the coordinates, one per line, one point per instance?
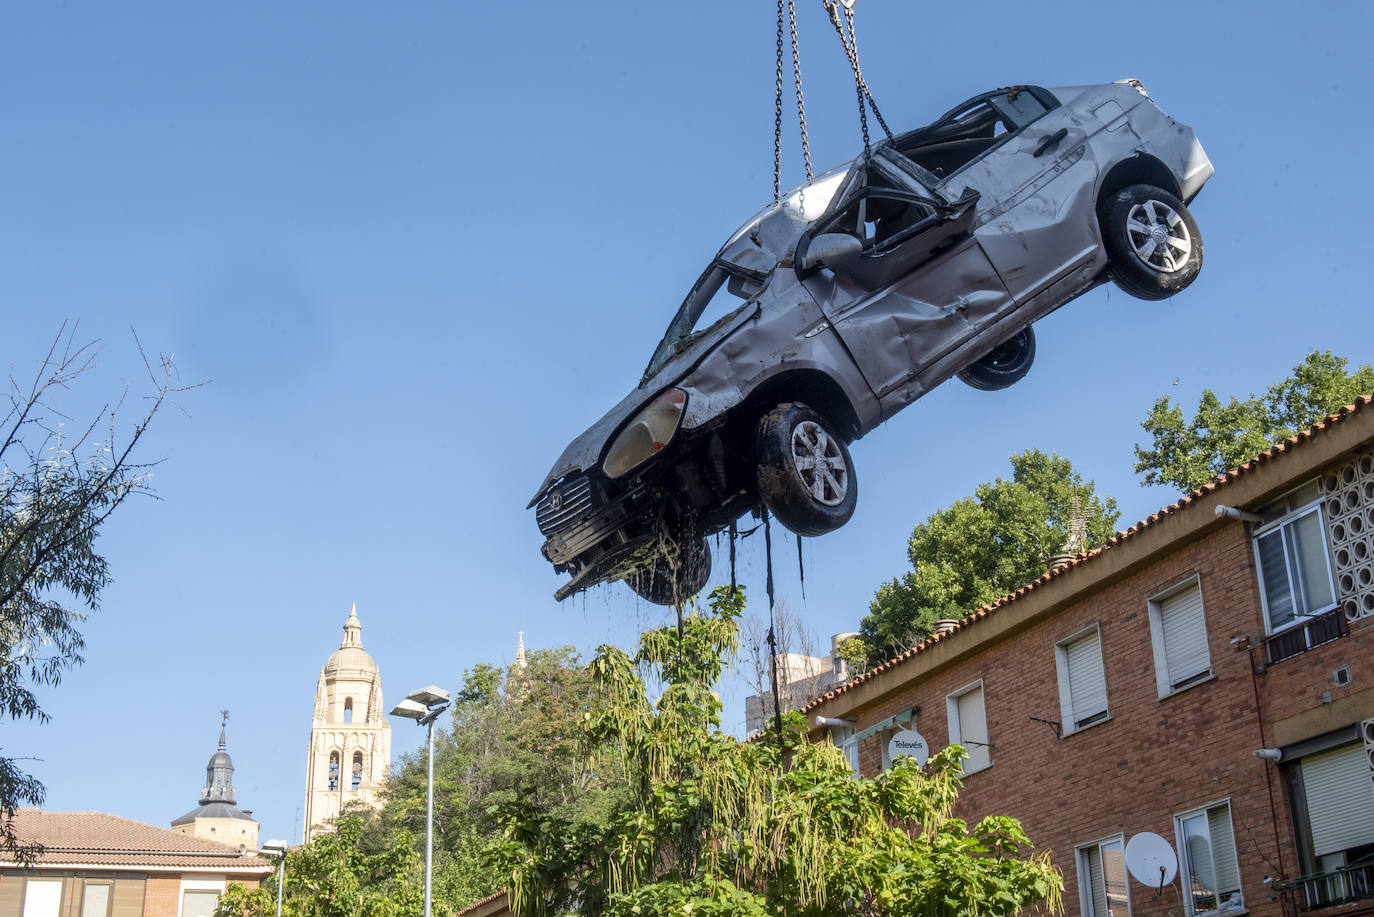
(1300, 638)
(1323, 889)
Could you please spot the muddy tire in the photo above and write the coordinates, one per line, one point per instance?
(804, 473)
(672, 581)
(1005, 365)
(1152, 241)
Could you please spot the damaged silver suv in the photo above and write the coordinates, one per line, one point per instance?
(928, 256)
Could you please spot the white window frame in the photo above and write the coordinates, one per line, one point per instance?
(30, 908)
(956, 732)
(1069, 718)
(847, 741)
(1165, 685)
(1085, 893)
(1280, 522)
(86, 885)
(198, 884)
(1185, 864)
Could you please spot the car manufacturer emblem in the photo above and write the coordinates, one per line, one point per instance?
(556, 500)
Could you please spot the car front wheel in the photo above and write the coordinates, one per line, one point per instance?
(1006, 364)
(1153, 243)
(676, 573)
(804, 473)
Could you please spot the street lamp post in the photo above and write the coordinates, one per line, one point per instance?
(424, 706)
(278, 849)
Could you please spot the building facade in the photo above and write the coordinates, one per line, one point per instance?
(97, 865)
(1207, 676)
(218, 817)
(350, 739)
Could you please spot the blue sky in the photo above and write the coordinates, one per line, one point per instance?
(418, 247)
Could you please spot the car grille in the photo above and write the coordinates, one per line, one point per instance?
(564, 505)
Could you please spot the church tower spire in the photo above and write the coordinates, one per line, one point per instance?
(217, 818)
(219, 773)
(350, 739)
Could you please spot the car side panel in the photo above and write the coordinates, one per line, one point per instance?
(790, 333)
(895, 332)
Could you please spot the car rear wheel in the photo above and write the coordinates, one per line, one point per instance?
(1006, 364)
(676, 573)
(1153, 243)
(804, 473)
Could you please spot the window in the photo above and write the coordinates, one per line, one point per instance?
(1340, 806)
(1293, 561)
(1082, 681)
(348, 710)
(198, 903)
(1102, 888)
(968, 725)
(200, 896)
(848, 743)
(95, 899)
(42, 897)
(357, 770)
(333, 770)
(1178, 632)
(1207, 848)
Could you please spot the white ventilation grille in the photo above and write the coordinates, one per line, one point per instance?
(1349, 502)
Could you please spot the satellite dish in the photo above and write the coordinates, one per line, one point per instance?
(1151, 860)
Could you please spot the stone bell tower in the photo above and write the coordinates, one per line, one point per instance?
(350, 738)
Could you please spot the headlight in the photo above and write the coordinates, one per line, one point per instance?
(651, 430)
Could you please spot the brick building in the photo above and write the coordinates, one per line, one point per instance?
(1207, 676)
(98, 865)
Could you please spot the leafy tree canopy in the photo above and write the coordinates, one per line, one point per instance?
(514, 733)
(983, 547)
(336, 876)
(1188, 453)
(715, 826)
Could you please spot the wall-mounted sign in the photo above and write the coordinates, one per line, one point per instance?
(909, 743)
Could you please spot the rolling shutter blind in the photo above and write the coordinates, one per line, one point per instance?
(11, 893)
(1087, 681)
(1340, 799)
(1185, 636)
(1223, 849)
(128, 898)
(1096, 884)
(973, 729)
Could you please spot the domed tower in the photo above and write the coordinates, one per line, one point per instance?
(217, 818)
(350, 739)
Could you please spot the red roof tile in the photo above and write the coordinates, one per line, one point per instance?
(98, 839)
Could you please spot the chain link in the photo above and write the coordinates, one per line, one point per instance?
(777, 115)
(851, 49)
(797, 79)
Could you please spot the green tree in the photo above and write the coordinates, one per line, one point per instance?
(57, 488)
(983, 547)
(333, 876)
(715, 826)
(1188, 453)
(516, 732)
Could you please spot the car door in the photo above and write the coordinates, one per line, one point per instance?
(921, 282)
(1031, 221)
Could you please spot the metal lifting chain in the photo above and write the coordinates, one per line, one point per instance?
(851, 50)
(788, 12)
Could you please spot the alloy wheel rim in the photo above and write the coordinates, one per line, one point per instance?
(819, 463)
(1159, 236)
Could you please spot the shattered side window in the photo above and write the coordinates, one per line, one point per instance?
(719, 292)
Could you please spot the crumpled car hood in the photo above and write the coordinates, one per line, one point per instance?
(585, 451)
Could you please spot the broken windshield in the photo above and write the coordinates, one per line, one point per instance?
(717, 294)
